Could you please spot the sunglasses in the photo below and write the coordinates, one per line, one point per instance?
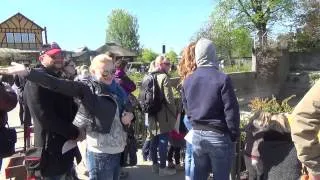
(57, 57)
(167, 63)
(107, 73)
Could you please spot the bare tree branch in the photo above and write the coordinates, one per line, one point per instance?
(244, 9)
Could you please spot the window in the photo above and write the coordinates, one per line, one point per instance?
(32, 38)
(10, 38)
(25, 37)
(17, 37)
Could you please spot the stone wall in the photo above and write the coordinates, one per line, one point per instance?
(304, 61)
(283, 84)
(296, 83)
(248, 86)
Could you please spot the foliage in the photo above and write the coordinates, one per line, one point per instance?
(258, 15)
(230, 38)
(123, 29)
(314, 77)
(231, 69)
(307, 36)
(270, 105)
(172, 56)
(174, 74)
(147, 55)
(136, 78)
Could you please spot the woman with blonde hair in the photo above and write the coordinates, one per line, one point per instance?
(186, 67)
(102, 115)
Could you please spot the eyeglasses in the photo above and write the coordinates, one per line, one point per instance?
(108, 72)
(166, 63)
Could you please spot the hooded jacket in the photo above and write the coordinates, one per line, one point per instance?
(208, 94)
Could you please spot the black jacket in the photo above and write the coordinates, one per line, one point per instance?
(91, 95)
(8, 101)
(53, 114)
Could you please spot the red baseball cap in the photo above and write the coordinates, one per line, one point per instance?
(50, 50)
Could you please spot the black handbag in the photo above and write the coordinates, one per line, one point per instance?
(8, 139)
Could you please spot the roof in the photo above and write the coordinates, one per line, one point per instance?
(115, 49)
(16, 51)
(82, 51)
(19, 14)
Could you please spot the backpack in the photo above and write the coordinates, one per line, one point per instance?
(150, 97)
(8, 98)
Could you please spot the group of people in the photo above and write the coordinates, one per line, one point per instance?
(96, 106)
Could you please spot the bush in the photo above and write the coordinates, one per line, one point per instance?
(271, 105)
(243, 68)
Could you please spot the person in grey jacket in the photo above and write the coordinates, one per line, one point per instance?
(213, 110)
(102, 113)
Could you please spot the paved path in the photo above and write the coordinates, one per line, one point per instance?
(140, 172)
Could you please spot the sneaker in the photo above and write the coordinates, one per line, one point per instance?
(171, 165)
(124, 174)
(167, 171)
(179, 167)
(155, 168)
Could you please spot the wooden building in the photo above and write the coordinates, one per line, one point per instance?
(118, 51)
(19, 32)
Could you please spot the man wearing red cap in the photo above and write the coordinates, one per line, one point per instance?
(53, 114)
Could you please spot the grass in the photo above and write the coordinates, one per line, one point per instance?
(243, 68)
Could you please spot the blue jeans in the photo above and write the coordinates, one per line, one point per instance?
(159, 141)
(212, 151)
(188, 160)
(103, 166)
(187, 122)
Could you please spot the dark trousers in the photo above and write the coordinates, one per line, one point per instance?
(130, 151)
(146, 150)
(24, 114)
(174, 151)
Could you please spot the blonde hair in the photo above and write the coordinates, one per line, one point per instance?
(152, 67)
(187, 63)
(159, 60)
(99, 59)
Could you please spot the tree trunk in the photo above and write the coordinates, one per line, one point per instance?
(263, 38)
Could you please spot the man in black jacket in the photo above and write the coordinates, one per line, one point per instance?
(53, 114)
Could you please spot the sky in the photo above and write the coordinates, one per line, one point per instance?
(78, 23)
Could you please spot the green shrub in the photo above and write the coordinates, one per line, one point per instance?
(244, 68)
(271, 105)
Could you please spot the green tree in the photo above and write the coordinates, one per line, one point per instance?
(147, 55)
(172, 56)
(309, 36)
(123, 29)
(259, 14)
(230, 39)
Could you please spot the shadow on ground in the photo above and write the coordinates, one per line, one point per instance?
(141, 172)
